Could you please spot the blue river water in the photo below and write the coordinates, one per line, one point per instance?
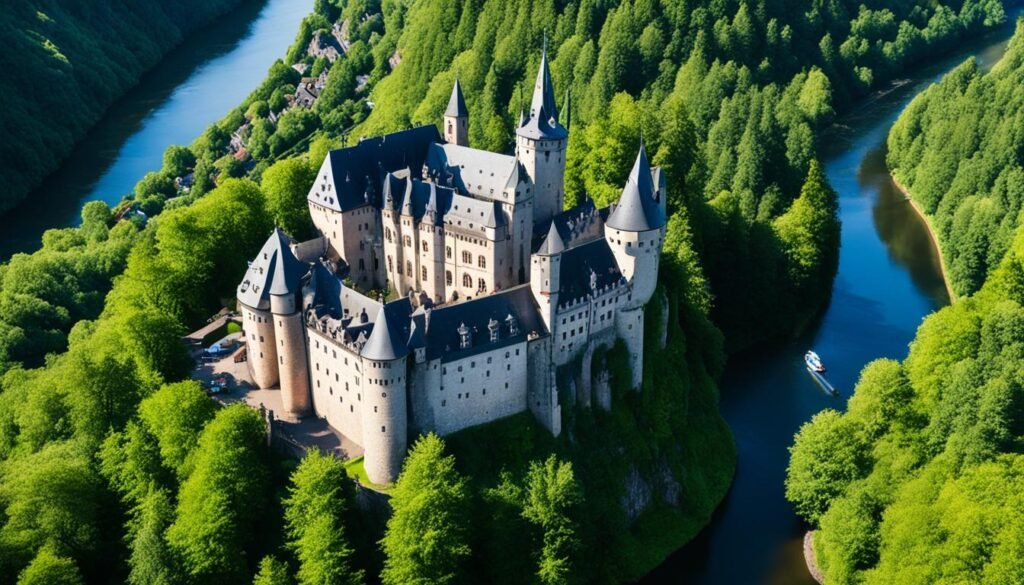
(889, 279)
(193, 86)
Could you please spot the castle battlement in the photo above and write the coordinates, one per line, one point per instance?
(493, 284)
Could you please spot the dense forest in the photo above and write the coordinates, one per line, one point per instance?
(976, 120)
(65, 62)
(113, 469)
(922, 479)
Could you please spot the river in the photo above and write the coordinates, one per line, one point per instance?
(888, 281)
(194, 85)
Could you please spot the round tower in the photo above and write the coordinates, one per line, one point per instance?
(258, 329)
(635, 232)
(293, 364)
(385, 414)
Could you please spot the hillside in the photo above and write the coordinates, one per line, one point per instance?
(65, 62)
(920, 481)
(113, 469)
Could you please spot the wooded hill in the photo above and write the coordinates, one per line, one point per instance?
(922, 479)
(65, 62)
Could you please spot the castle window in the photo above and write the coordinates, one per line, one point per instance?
(485, 391)
(467, 281)
(391, 265)
(336, 377)
(481, 285)
(467, 258)
(423, 273)
(351, 408)
(481, 262)
(408, 268)
(444, 403)
(346, 386)
(408, 241)
(387, 234)
(448, 252)
(280, 359)
(374, 409)
(424, 245)
(383, 394)
(448, 277)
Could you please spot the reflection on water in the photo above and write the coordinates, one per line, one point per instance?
(193, 86)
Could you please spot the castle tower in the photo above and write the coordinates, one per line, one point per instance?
(545, 272)
(269, 300)
(456, 118)
(540, 145)
(635, 231)
(384, 410)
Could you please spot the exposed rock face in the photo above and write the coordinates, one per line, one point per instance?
(638, 491)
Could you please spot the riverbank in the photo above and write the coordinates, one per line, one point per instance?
(811, 559)
(931, 233)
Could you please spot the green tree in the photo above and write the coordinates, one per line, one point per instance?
(272, 572)
(50, 569)
(286, 184)
(151, 560)
(551, 496)
(827, 455)
(426, 539)
(176, 415)
(314, 512)
(222, 498)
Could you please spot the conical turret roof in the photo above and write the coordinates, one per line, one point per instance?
(637, 211)
(542, 122)
(552, 244)
(386, 341)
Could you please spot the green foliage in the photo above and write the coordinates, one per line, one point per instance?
(426, 538)
(286, 184)
(827, 455)
(151, 561)
(176, 415)
(272, 572)
(66, 63)
(315, 513)
(551, 496)
(935, 494)
(973, 118)
(222, 498)
(49, 569)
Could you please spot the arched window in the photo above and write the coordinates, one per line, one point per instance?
(423, 245)
(467, 258)
(481, 262)
(467, 280)
(448, 277)
(387, 234)
(408, 268)
(408, 242)
(448, 252)
(481, 285)
(423, 272)
(391, 265)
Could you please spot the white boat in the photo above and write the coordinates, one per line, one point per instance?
(814, 362)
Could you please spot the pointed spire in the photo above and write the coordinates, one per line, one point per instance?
(456, 103)
(552, 244)
(386, 341)
(543, 107)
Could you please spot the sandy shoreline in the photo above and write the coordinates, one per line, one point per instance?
(931, 233)
(810, 559)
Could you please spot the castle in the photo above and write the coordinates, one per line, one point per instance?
(496, 286)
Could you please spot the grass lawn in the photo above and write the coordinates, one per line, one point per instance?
(356, 470)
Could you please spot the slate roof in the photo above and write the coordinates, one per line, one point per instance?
(390, 335)
(456, 103)
(637, 210)
(543, 119)
(275, 271)
(586, 267)
(366, 164)
(478, 172)
(472, 214)
(553, 243)
(443, 323)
